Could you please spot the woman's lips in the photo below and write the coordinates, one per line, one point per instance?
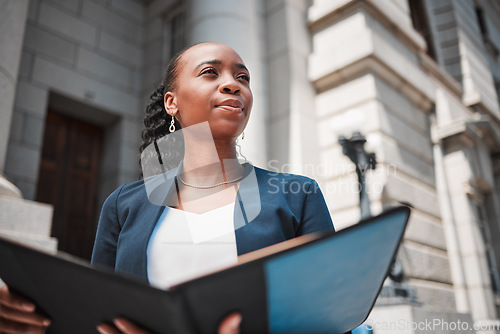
(231, 109)
(231, 105)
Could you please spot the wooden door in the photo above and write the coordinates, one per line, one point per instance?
(68, 180)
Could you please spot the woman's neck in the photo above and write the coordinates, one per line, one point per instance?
(208, 161)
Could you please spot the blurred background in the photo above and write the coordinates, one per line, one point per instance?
(381, 101)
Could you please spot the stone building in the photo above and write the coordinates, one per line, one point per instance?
(419, 78)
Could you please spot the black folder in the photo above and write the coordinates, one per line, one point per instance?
(325, 283)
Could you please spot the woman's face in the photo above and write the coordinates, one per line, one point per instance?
(212, 85)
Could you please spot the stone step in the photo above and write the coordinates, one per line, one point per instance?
(47, 244)
(26, 217)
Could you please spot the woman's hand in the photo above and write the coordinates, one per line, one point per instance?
(230, 325)
(17, 315)
(121, 326)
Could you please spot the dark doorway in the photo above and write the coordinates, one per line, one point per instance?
(68, 178)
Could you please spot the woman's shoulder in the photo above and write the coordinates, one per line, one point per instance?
(147, 188)
(125, 191)
(131, 187)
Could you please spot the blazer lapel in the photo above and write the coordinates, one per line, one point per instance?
(248, 203)
(161, 192)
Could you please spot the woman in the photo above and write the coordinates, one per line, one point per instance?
(206, 92)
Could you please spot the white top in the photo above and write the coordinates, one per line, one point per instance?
(185, 245)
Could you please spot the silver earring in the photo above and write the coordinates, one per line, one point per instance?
(243, 135)
(172, 125)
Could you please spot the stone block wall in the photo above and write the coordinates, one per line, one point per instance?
(27, 222)
(369, 77)
(13, 15)
(90, 53)
(461, 49)
(320, 69)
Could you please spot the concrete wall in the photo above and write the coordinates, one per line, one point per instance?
(397, 125)
(84, 59)
(490, 10)
(12, 27)
(370, 71)
(291, 121)
(461, 49)
(467, 55)
(320, 69)
(240, 25)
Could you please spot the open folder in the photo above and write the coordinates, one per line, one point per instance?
(322, 283)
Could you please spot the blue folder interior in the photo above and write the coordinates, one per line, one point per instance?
(358, 263)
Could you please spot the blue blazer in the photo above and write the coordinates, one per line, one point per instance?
(270, 207)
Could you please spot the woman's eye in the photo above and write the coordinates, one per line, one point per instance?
(244, 77)
(209, 71)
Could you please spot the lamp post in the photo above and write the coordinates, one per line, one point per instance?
(354, 148)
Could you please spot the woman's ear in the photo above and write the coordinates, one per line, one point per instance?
(170, 102)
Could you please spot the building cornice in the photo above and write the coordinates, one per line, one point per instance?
(490, 131)
(479, 128)
(433, 69)
(459, 128)
(383, 11)
(373, 64)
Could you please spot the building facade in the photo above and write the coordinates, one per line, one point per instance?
(419, 78)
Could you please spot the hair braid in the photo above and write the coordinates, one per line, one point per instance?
(156, 119)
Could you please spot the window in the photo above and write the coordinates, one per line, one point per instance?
(421, 24)
(481, 22)
(483, 28)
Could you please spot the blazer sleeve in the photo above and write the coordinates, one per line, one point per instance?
(108, 231)
(315, 215)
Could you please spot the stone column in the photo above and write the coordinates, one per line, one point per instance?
(465, 178)
(239, 25)
(13, 15)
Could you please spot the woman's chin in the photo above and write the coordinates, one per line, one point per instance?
(229, 136)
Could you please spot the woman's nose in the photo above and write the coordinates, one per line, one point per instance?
(229, 85)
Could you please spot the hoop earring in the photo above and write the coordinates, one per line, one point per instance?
(172, 125)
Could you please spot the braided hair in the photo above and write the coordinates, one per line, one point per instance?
(157, 122)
